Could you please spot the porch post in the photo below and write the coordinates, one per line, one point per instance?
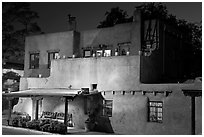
(193, 115)
(10, 110)
(66, 112)
(33, 108)
(36, 110)
(193, 94)
(35, 103)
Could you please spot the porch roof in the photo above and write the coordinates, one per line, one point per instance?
(63, 92)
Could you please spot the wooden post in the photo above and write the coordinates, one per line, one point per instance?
(35, 104)
(66, 112)
(10, 110)
(36, 109)
(33, 108)
(193, 115)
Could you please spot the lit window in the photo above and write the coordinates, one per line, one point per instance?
(107, 108)
(124, 48)
(87, 53)
(99, 53)
(34, 60)
(51, 56)
(107, 53)
(155, 111)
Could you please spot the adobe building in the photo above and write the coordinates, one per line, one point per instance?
(131, 71)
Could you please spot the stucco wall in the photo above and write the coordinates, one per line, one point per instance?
(75, 107)
(62, 42)
(130, 112)
(110, 73)
(120, 33)
(71, 42)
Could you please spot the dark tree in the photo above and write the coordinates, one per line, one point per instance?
(192, 31)
(115, 16)
(192, 34)
(18, 21)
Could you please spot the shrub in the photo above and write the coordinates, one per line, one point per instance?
(34, 124)
(21, 121)
(52, 126)
(15, 121)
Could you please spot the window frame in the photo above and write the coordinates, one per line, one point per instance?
(125, 46)
(53, 57)
(107, 108)
(155, 110)
(34, 64)
(86, 51)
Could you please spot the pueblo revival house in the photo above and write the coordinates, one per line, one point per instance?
(127, 76)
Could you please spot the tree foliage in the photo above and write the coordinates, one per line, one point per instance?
(192, 31)
(18, 21)
(114, 16)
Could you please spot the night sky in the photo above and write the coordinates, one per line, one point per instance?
(53, 15)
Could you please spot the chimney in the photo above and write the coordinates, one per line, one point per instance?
(137, 14)
(71, 23)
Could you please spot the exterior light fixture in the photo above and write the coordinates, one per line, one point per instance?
(128, 53)
(116, 52)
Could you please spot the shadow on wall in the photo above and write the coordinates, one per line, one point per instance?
(96, 108)
(5, 103)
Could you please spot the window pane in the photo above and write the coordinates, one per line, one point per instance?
(159, 104)
(87, 53)
(34, 60)
(107, 107)
(107, 53)
(159, 114)
(159, 109)
(99, 53)
(56, 55)
(155, 111)
(32, 57)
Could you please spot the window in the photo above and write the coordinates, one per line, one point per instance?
(107, 53)
(99, 53)
(34, 60)
(52, 55)
(87, 53)
(107, 108)
(124, 48)
(155, 111)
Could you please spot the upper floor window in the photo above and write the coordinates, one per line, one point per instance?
(107, 108)
(34, 60)
(155, 111)
(99, 53)
(124, 48)
(51, 56)
(87, 53)
(107, 53)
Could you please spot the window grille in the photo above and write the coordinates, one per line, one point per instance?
(155, 111)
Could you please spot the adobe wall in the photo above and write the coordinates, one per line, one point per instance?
(130, 112)
(110, 73)
(120, 33)
(62, 42)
